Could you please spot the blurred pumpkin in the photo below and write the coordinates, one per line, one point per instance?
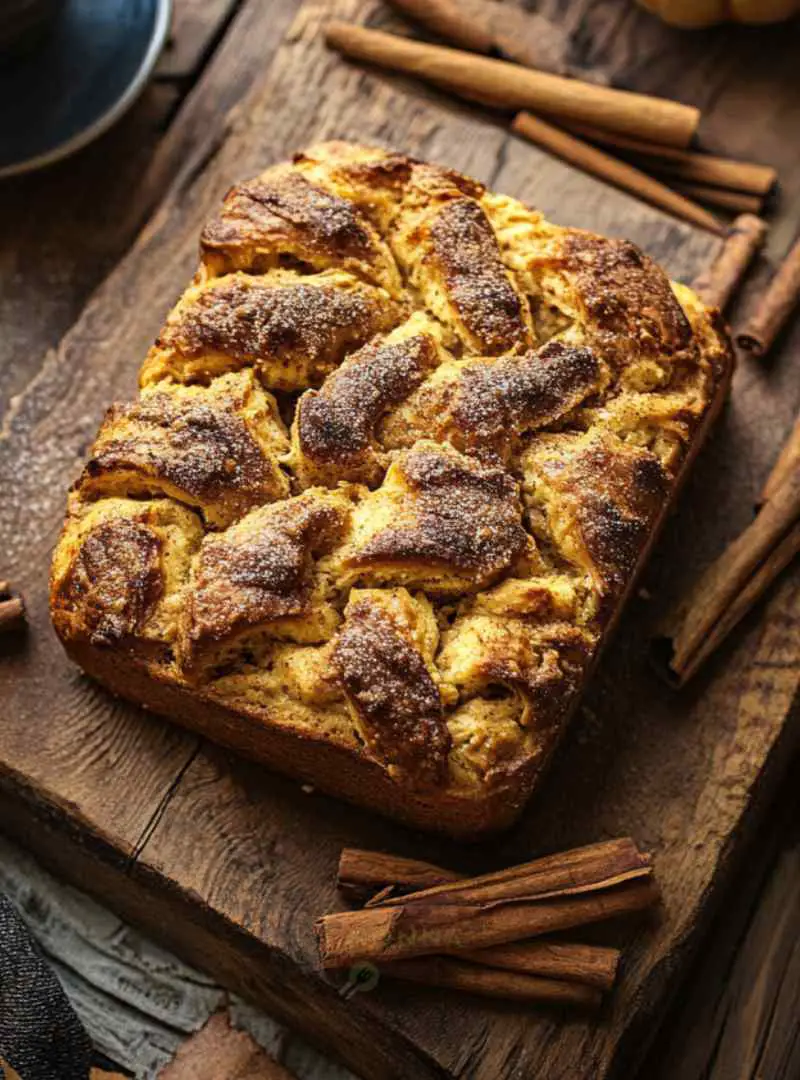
(697, 13)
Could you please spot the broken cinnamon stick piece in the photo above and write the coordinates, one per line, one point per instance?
(419, 928)
(787, 463)
(488, 982)
(774, 308)
(730, 587)
(512, 86)
(445, 18)
(716, 285)
(619, 173)
(699, 168)
(219, 1051)
(618, 141)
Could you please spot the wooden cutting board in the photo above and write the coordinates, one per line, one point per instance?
(231, 864)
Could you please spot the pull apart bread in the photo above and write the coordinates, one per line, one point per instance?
(399, 451)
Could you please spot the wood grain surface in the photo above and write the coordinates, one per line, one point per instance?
(241, 861)
(197, 25)
(738, 1016)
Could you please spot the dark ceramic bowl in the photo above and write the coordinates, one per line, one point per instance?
(23, 22)
(69, 70)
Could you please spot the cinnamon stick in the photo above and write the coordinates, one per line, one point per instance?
(512, 86)
(702, 168)
(361, 872)
(774, 308)
(730, 587)
(419, 928)
(585, 869)
(787, 463)
(716, 285)
(619, 173)
(488, 982)
(738, 201)
(592, 965)
(12, 608)
(449, 21)
(220, 1051)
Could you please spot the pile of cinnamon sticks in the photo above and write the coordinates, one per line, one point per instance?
(650, 137)
(424, 924)
(739, 577)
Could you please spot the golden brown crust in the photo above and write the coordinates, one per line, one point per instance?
(118, 572)
(464, 252)
(215, 448)
(292, 329)
(521, 401)
(441, 520)
(260, 573)
(392, 692)
(281, 219)
(115, 579)
(627, 297)
(484, 406)
(600, 498)
(335, 426)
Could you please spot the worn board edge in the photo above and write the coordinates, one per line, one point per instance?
(661, 990)
(205, 939)
(735, 997)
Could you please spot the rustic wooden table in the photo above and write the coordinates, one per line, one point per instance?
(64, 229)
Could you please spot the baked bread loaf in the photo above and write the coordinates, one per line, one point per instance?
(399, 451)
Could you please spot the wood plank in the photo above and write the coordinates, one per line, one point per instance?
(196, 27)
(232, 795)
(246, 855)
(737, 1019)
